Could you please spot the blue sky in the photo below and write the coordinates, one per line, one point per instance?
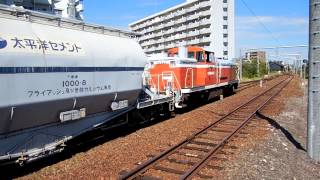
(287, 20)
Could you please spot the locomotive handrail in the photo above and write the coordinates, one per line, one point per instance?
(159, 77)
(185, 80)
(219, 72)
(175, 79)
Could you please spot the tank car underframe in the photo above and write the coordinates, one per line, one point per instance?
(34, 143)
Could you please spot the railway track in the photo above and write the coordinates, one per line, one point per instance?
(249, 84)
(186, 159)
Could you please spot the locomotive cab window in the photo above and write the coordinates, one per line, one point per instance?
(190, 54)
(209, 56)
(200, 57)
(208, 59)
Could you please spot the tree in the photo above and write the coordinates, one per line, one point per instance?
(250, 68)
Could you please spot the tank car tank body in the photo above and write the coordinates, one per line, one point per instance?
(60, 78)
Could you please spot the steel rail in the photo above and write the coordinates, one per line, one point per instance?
(148, 164)
(246, 86)
(201, 164)
(249, 84)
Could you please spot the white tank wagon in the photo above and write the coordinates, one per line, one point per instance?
(60, 78)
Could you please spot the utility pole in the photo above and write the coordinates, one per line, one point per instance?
(258, 64)
(296, 66)
(305, 71)
(301, 68)
(241, 66)
(267, 64)
(314, 82)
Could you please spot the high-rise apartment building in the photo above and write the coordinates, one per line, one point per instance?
(64, 8)
(205, 23)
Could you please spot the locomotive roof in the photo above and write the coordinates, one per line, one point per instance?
(166, 59)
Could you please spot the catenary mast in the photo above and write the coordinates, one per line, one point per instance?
(314, 82)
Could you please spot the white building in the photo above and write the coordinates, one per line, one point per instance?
(205, 23)
(64, 8)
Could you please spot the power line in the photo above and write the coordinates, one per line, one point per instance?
(261, 23)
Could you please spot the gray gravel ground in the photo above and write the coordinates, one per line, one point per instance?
(281, 154)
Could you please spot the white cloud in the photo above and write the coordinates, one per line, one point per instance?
(250, 32)
(248, 22)
(279, 27)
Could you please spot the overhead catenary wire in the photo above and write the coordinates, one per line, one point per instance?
(259, 20)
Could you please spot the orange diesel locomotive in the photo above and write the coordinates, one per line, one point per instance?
(191, 74)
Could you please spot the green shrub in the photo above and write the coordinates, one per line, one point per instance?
(250, 69)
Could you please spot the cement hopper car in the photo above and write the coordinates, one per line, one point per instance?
(60, 78)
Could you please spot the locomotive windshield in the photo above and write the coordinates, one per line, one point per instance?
(194, 52)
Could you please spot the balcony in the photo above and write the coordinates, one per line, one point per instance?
(181, 28)
(206, 13)
(205, 31)
(171, 45)
(193, 25)
(205, 4)
(171, 23)
(151, 49)
(205, 22)
(193, 33)
(171, 38)
(170, 31)
(180, 36)
(169, 16)
(161, 40)
(159, 34)
(179, 13)
(143, 31)
(193, 8)
(142, 38)
(158, 27)
(195, 41)
(181, 20)
(159, 48)
(205, 40)
(192, 17)
(145, 43)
